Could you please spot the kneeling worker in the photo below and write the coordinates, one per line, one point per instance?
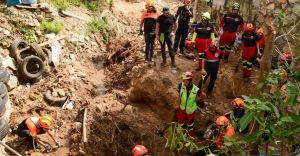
(33, 126)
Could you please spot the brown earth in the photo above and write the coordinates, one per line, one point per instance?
(128, 101)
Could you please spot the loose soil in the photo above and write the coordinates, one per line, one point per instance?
(128, 101)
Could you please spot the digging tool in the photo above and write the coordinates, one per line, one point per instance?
(10, 149)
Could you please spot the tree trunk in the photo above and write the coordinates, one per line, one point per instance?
(265, 64)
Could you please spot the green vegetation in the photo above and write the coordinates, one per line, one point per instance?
(93, 6)
(52, 26)
(64, 4)
(30, 36)
(179, 140)
(100, 25)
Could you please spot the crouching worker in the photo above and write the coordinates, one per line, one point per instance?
(190, 95)
(237, 112)
(221, 128)
(33, 126)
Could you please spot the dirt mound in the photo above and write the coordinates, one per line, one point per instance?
(116, 134)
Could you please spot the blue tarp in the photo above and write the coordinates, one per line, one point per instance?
(10, 3)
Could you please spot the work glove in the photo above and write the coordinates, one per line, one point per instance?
(203, 73)
(141, 32)
(58, 144)
(48, 147)
(221, 32)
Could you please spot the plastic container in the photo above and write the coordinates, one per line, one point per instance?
(29, 1)
(10, 3)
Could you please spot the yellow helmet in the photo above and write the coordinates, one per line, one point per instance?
(46, 121)
(150, 3)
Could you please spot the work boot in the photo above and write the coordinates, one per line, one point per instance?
(163, 64)
(173, 65)
(225, 59)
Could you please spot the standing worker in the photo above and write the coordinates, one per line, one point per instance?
(250, 42)
(189, 95)
(148, 20)
(165, 26)
(210, 65)
(183, 14)
(231, 25)
(261, 45)
(205, 35)
(33, 126)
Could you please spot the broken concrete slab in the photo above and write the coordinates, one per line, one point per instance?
(12, 83)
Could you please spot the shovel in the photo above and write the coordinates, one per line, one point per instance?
(9, 148)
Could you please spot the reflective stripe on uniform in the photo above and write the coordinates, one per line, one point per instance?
(212, 60)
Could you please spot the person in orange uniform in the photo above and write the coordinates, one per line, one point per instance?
(33, 126)
(250, 42)
(261, 45)
(231, 25)
(225, 129)
(148, 20)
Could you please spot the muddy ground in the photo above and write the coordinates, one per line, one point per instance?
(128, 101)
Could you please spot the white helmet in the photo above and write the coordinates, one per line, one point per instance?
(206, 16)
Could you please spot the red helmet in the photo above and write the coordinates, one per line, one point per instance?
(139, 150)
(249, 27)
(238, 102)
(222, 121)
(286, 56)
(187, 1)
(187, 76)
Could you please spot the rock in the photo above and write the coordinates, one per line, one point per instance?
(293, 1)
(55, 94)
(8, 62)
(6, 32)
(12, 83)
(61, 92)
(271, 6)
(82, 152)
(72, 57)
(81, 74)
(40, 18)
(32, 96)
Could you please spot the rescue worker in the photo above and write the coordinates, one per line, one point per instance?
(190, 95)
(210, 65)
(286, 58)
(261, 45)
(166, 24)
(225, 129)
(148, 20)
(140, 150)
(238, 112)
(205, 35)
(221, 128)
(33, 126)
(231, 25)
(183, 14)
(250, 44)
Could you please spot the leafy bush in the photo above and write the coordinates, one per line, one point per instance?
(30, 36)
(92, 6)
(100, 25)
(179, 140)
(64, 4)
(52, 26)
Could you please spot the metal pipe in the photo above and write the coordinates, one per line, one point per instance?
(10, 149)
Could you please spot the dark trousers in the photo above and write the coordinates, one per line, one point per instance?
(168, 41)
(212, 69)
(150, 42)
(180, 37)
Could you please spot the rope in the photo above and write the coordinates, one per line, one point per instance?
(34, 148)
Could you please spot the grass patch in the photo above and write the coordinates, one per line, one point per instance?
(64, 4)
(100, 25)
(92, 6)
(52, 26)
(30, 36)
